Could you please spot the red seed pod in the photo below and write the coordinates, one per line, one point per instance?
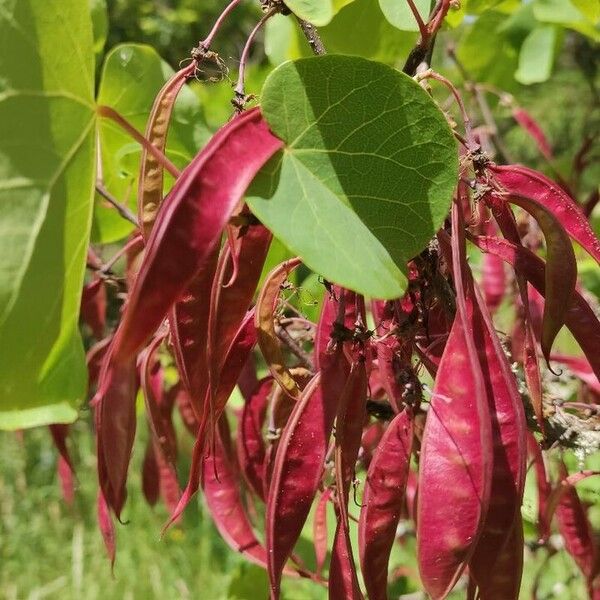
(60, 432)
(453, 450)
(190, 224)
(94, 358)
(456, 450)
(93, 307)
(351, 415)
(297, 472)
(188, 229)
(527, 183)
(561, 266)
(493, 280)
(343, 580)
(532, 127)
(580, 317)
(107, 527)
(150, 475)
(188, 320)
(223, 499)
(320, 537)
(238, 355)
(64, 466)
(249, 440)
(383, 502)
(150, 186)
(508, 475)
(543, 487)
(159, 420)
(230, 299)
(67, 484)
(115, 429)
(574, 526)
(270, 347)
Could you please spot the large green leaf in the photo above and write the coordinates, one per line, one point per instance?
(367, 173)
(99, 14)
(401, 16)
(564, 12)
(131, 77)
(487, 53)
(537, 56)
(47, 129)
(317, 12)
(360, 28)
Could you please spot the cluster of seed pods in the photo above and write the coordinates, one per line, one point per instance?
(351, 427)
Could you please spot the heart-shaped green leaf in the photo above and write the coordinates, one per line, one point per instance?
(367, 173)
(47, 148)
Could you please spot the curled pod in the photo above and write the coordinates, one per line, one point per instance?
(580, 317)
(264, 321)
(150, 187)
(522, 182)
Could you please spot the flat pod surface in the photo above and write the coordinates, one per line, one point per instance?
(351, 169)
(453, 473)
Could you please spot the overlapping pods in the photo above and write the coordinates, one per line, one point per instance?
(184, 237)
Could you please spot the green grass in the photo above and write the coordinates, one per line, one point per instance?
(51, 550)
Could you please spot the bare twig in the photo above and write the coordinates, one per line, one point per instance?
(312, 37)
(121, 208)
(240, 95)
(113, 115)
(486, 113)
(294, 347)
(424, 47)
(206, 43)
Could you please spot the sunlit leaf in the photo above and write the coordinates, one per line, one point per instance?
(367, 173)
(47, 148)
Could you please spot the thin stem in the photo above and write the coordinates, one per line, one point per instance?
(424, 46)
(239, 88)
(295, 348)
(312, 37)
(138, 240)
(121, 208)
(430, 74)
(486, 113)
(418, 19)
(206, 43)
(113, 115)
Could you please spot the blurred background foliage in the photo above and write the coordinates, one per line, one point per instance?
(545, 54)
